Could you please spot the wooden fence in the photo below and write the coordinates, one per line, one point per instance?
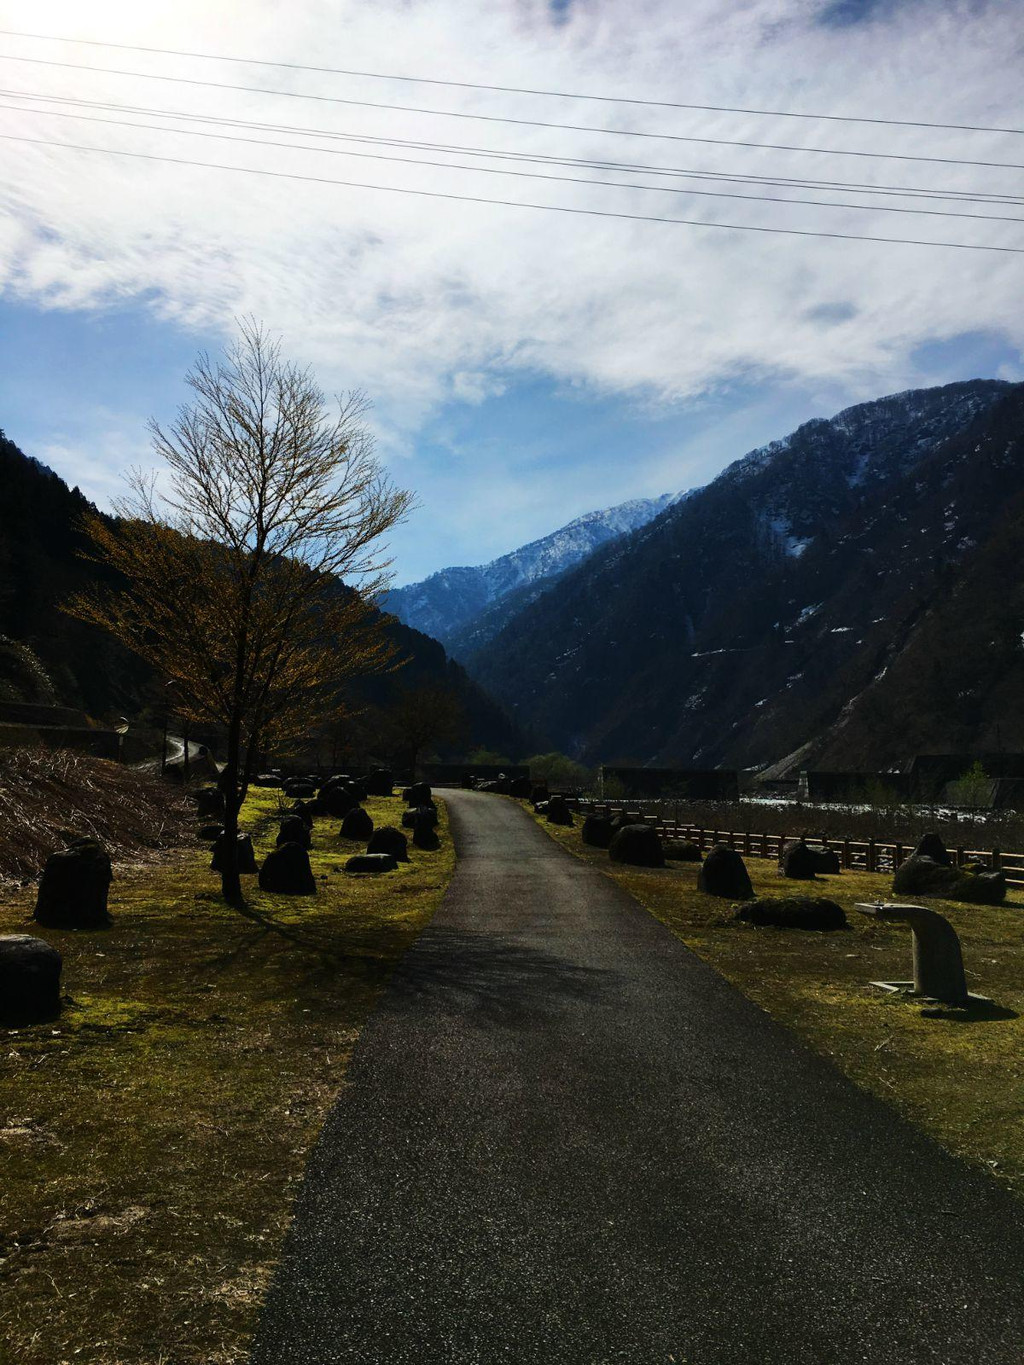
(861, 855)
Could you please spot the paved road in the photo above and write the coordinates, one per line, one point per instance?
(566, 1141)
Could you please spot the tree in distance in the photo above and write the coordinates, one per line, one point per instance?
(417, 717)
(251, 582)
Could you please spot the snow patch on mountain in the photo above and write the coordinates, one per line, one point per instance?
(447, 603)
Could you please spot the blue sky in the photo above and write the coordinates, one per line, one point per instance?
(525, 367)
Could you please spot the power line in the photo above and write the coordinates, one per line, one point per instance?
(519, 122)
(523, 175)
(511, 203)
(508, 89)
(539, 158)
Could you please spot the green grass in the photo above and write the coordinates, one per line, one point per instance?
(152, 1138)
(958, 1074)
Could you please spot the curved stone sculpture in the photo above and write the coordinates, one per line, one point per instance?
(938, 961)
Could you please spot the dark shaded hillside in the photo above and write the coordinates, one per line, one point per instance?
(40, 567)
(753, 619)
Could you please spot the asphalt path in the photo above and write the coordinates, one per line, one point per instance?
(564, 1140)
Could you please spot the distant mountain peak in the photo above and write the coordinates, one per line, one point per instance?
(449, 604)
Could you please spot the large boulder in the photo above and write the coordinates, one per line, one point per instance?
(638, 845)
(419, 794)
(299, 786)
(357, 824)
(209, 833)
(267, 780)
(794, 912)
(246, 855)
(29, 980)
(294, 830)
(387, 839)
(921, 876)
(557, 811)
(420, 815)
(286, 870)
(379, 783)
(797, 861)
(371, 862)
(539, 792)
(931, 846)
(337, 801)
(209, 802)
(425, 837)
(74, 886)
(682, 851)
(304, 811)
(597, 831)
(724, 873)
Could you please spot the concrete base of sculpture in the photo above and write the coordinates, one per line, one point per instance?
(938, 962)
(907, 988)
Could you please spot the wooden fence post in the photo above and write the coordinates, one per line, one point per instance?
(847, 863)
(996, 859)
(871, 859)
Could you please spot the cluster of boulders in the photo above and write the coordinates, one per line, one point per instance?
(929, 871)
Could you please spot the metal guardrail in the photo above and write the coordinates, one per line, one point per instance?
(860, 855)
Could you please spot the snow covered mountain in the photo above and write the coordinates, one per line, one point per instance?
(464, 607)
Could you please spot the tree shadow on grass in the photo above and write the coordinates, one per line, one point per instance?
(493, 979)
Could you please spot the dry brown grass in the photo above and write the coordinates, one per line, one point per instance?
(152, 1138)
(48, 795)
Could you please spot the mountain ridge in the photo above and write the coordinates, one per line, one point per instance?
(732, 629)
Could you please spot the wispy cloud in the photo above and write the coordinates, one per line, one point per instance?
(423, 300)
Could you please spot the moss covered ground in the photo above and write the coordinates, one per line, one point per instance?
(151, 1139)
(959, 1074)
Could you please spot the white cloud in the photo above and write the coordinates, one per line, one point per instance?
(418, 300)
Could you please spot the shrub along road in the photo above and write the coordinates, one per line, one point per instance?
(564, 1138)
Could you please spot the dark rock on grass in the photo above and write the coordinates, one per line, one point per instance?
(294, 830)
(379, 783)
(267, 780)
(557, 811)
(74, 886)
(286, 870)
(419, 794)
(358, 790)
(931, 846)
(246, 855)
(597, 831)
(797, 861)
(387, 839)
(357, 824)
(211, 832)
(371, 862)
(29, 980)
(539, 792)
(298, 786)
(426, 838)
(209, 802)
(921, 876)
(304, 811)
(336, 801)
(794, 912)
(420, 815)
(685, 852)
(520, 788)
(638, 845)
(724, 873)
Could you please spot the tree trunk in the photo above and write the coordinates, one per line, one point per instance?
(230, 880)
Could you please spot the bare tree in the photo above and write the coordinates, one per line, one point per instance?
(252, 580)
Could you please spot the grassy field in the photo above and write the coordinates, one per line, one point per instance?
(958, 1074)
(151, 1139)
